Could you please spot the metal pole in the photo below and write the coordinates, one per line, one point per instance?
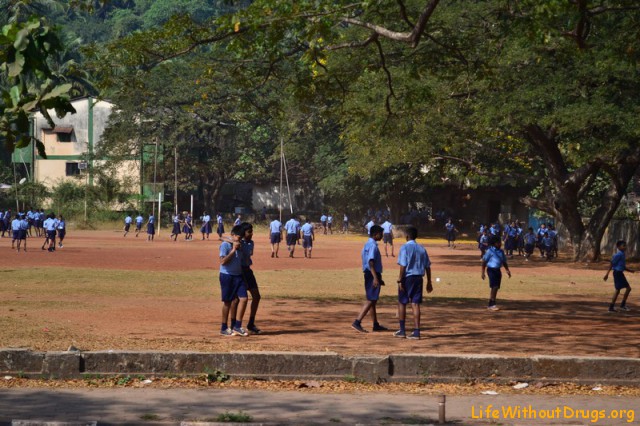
(15, 184)
(286, 174)
(155, 173)
(175, 179)
(281, 171)
(442, 399)
(159, 211)
(191, 211)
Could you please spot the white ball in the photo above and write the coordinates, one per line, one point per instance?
(437, 280)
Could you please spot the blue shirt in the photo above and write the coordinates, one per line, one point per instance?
(387, 227)
(547, 241)
(307, 229)
(414, 258)
(176, 219)
(50, 224)
(323, 218)
(15, 225)
(275, 226)
(206, 218)
(237, 222)
(494, 258)
(219, 218)
(512, 232)
(152, 219)
(139, 219)
(291, 226)
(530, 238)
(618, 261)
(370, 252)
(368, 226)
(24, 224)
(450, 226)
(247, 252)
(61, 225)
(329, 219)
(127, 220)
(234, 267)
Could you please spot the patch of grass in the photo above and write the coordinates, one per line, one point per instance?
(150, 417)
(215, 376)
(123, 381)
(239, 417)
(349, 378)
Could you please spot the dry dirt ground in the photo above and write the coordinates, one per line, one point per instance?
(570, 321)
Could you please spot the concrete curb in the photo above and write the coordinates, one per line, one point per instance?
(322, 366)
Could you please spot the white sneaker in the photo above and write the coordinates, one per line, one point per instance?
(493, 308)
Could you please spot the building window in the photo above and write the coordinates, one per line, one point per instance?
(64, 137)
(73, 169)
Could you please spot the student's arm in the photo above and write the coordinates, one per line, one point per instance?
(376, 277)
(226, 259)
(313, 235)
(606, 276)
(506, 268)
(429, 285)
(484, 267)
(403, 270)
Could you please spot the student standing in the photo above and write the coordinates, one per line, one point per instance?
(414, 264)
(177, 220)
(529, 243)
(323, 222)
(249, 277)
(330, 223)
(345, 223)
(24, 227)
(307, 238)
(275, 236)
(151, 227)
(188, 226)
(232, 284)
(15, 232)
(50, 228)
(220, 228)
(292, 234)
(619, 266)
(237, 221)
(206, 225)
(372, 270)
(369, 225)
(62, 230)
(451, 234)
(493, 260)
(387, 237)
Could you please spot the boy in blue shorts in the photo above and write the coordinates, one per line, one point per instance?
(493, 260)
(619, 265)
(292, 234)
(275, 236)
(249, 277)
(127, 224)
(307, 238)
(232, 284)
(414, 264)
(387, 237)
(139, 221)
(529, 243)
(372, 269)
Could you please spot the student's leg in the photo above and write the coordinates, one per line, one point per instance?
(310, 248)
(365, 310)
(374, 312)
(226, 308)
(402, 315)
(493, 295)
(616, 292)
(385, 250)
(233, 312)
(277, 248)
(255, 301)
(625, 296)
(392, 253)
(415, 307)
(241, 307)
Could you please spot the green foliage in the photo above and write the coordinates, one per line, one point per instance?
(231, 417)
(215, 376)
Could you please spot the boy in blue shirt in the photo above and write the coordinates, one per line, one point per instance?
(529, 243)
(232, 285)
(275, 236)
(372, 269)
(15, 232)
(414, 263)
(139, 221)
(151, 227)
(307, 238)
(619, 265)
(387, 237)
(292, 234)
(249, 277)
(483, 243)
(492, 261)
(127, 224)
(547, 246)
(323, 222)
(451, 234)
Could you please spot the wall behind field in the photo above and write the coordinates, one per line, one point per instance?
(619, 229)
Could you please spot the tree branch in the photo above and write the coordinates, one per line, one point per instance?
(373, 37)
(383, 63)
(403, 13)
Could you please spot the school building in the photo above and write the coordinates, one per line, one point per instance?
(70, 147)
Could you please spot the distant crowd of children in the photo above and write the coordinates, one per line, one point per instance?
(515, 239)
(33, 224)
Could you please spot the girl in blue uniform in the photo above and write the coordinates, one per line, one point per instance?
(188, 226)
(62, 230)
(493, 260)
(176, 227)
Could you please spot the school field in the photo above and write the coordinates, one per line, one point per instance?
(102, 291)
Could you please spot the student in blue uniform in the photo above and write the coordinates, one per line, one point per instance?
(369, 225)
(540, 233)
(292, 234)
(206, 225)
(554, 238)
(15, 232)
(249, 277)
(220, 228)
(483, 242)
(493, 260)
(619, 266)
(237, 221)
(387, 237)
(414, 264)
(345, 223)
(547, 246)
(62, 230)
(127, 224)
(177, 228)
(139, 222)
(151, 227)
(188, 226)
(50, 225)
(275, 236)
(372, 269)
(511, 237)
(323, 222)
(330, 223)
(232, 284)
(307, 238)
(451, 233)
(530, 239)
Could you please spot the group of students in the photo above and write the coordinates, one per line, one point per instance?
(293, 232)
(545, 238)
(182, 224)
(24, 225)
